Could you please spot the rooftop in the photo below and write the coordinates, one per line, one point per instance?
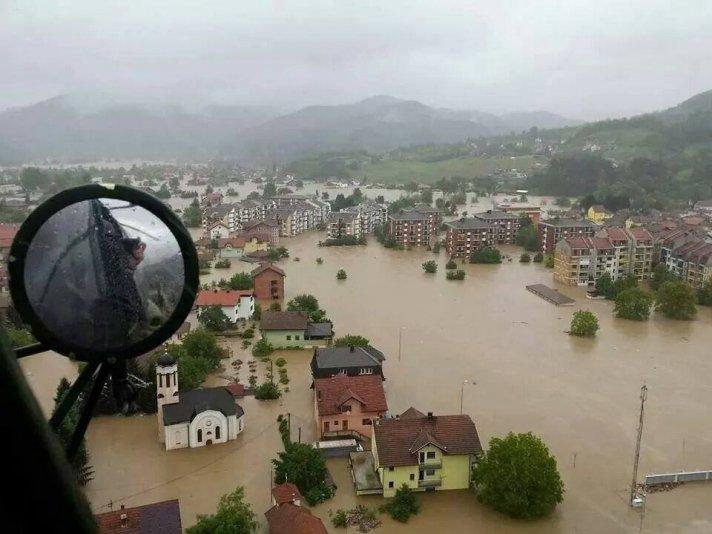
(340, 357)
(291, 519)
(267, 267)
(195, 401)
(284, 320)
(495, 214)
(399, 440)
(159, 517)
(334, 392)
(568, 222)
(469, 224)
(221, 297)
(286, 492)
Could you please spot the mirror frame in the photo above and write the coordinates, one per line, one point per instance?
(64, 199)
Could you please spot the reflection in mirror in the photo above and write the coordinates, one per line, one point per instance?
(103, 274)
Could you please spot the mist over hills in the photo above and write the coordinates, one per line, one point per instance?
(76, 128)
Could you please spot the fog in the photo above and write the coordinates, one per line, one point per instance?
(582, 59)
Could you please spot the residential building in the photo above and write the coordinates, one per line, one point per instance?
(425, 452)
(347, 406)
(691, 262)
(598, 214)
(193, 418)
(163, 517)
(266, 230)
(289, 518)
(349, 361)
(704, 207)
(268, 282)
(7, 236)
(415, 227)
(342, 224)
(286, 493)
(551, 231)
(505, 225)
(620, 252)
(235, 303)
(371, 215)
(465, 236)
(218, 230)
(294, 329)
(522, 210)
(237, 246)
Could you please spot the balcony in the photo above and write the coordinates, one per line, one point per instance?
(430, 464)
(430, 483)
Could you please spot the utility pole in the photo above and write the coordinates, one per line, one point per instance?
(462, 391)
(634, 482)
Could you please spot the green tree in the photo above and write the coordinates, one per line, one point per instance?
(270, 190)
(234, 515)
(430, 266)
(549, 262)
(584, 323)
(32, 178)
(341, 274)
(525, 258)
(262, 349)
(351, 340)
(240, 281)
(309, 304)
(200, 343)
(277, 253)
(403, 505)
(604, 285)
(267, 391)
(451, 264)
(527, 237)
(676, 300)
(634, 304)
(163, 192)
(518, 477)
(192, 370)
(661, 274)
(623, 283)
(486, 255)
(455, 275)
(257, 314)
(192, 216)
(214, 319)
(302, 465)
(538, 257)
(704, 294)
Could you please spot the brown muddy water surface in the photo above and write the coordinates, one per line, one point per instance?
(579, 395)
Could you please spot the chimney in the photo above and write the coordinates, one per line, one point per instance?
(124, 517)
(430, 416)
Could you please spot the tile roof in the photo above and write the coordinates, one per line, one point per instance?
(267, 267)
(7, 234)
(398, 440)
(469, 224)
(495, 214)
(340, 357)
(234, 242)
(332, 393)
(253, 224)
(286, 492)
(569, 223)
(291, 519)
(155, 518)
(195, 401)
(221, 297)
(284, 320)
(320, 329)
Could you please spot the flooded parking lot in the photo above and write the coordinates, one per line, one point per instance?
(579, 395)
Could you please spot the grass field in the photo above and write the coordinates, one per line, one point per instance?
(403, 171)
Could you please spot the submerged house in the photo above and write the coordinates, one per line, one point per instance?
(285, 329)
(425, 452)
(350, 361)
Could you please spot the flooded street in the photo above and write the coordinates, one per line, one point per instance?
(579, 395)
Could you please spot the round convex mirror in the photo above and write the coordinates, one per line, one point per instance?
(100, 272)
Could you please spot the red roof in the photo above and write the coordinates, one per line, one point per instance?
(291, 519)
(398, 440)
(163, 517)
(236, 389)
(286, 493)
(218, 297)
(234, 242)
(267, 267)
(332, 393)
(7, 234)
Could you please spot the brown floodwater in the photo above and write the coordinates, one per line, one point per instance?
(579, 395)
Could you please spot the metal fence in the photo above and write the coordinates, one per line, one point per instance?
(683, 476)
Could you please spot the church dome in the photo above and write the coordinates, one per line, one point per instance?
(165, 360)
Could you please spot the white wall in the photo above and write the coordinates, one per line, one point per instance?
(208, 421)
(176, 436)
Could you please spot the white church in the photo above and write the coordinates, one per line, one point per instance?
(197, 417)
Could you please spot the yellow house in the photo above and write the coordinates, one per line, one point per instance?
(598, 214)
(425, 452)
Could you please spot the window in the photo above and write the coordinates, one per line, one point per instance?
(390, 468)
(366, 422)
(217, 432)
(200, 435)
(296, 338)
(346, 408)
(430, 472)
(289, 338)
(365, 371)
(412, 476)
(390, 484)
(431, 455)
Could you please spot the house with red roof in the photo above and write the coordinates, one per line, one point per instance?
(348, 406)
(161, 517)
(235, 303)
(289, 518)
(286, 493)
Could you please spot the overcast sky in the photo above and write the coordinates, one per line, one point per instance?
(584, 59)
